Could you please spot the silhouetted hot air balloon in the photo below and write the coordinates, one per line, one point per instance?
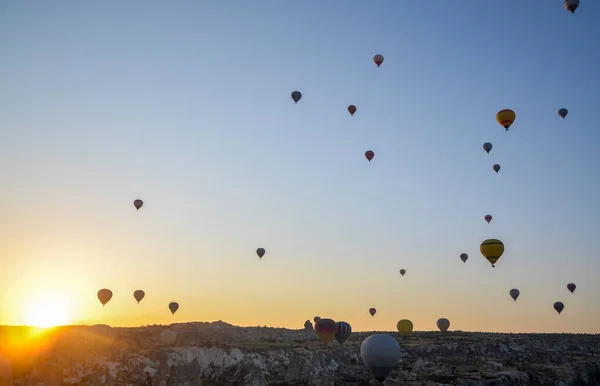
(325, 330)
(316, 319)
(402, 272)
(139, 295)
(378, 59)
(343, 332)
(168, 337)
(571, 5)
(404, 326)
(443, 324)
(261, 252)
(563, 113)
(492, 249)
(571, 287)
(138, 204)
(514, 293)
(487, 147)
(496, 168)
(369, 154)
(381, 353)
(372, 311)
(104, 295)
(351, 109)
(173, 306)
(464, 257)
(296, 96)
(506, 118)
(559, 306)
(488, 218)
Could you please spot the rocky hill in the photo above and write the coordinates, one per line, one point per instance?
(221, 354)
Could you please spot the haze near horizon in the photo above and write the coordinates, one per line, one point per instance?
(187, 106)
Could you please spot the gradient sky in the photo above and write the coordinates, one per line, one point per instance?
(186, 104)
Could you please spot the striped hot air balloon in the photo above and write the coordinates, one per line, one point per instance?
(492, 249)
(343, 332)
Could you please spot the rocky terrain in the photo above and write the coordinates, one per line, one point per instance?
(221, 354)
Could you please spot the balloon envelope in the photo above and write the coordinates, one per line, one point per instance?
(343, 332)
(261, 252)
(402, 272)
(492, 249)
(168, 337)
(104, 295)
(464, 257)
(369, 154)
(372, 311)
(488, 218)
(443, 324)
(514, 293)
(571, 5)
(487, 147)
(316, 319)
(351, 109)
(173, 306)
(296, 96)
(496, 168)
(325, 330)
(378, 59)
(139, 295)
(559, 306)
(404, 326)
(138, 204)
(571, 287)
(563, 113)
(506, 118)
(381, 353)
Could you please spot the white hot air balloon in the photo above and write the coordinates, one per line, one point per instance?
(381, 354)
(443, 324)
(168, 337)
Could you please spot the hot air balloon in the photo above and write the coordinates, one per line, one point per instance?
(571, 5)
(514, 293)
(369, 154)
(563, 113)
(487, 147)
(381, 353)
(343, 332)
(372, 311)
(404, 326)
(443, 324)
(316, 318)
(492, 249)
(139, 295)
(168, 337)
(559, 306)
(296, 96)
(325, 330)
(402, 272)
(488, 218)
(351, 109)
(104, 295)
(506, 118)
(378, 59)
(260, 252)
(464, 257)
(173, 306)
(571, 287)
(138, 204)
(496, 168)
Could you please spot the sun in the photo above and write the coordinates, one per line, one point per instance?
(45, 312)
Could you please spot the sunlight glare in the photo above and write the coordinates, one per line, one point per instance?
(44, 312)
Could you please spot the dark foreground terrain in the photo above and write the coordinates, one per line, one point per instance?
(220, 354)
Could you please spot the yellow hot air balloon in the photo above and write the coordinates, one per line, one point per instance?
(506, 118)
(404, 326)
(492, 249)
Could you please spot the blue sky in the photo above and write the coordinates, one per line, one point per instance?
(187, 105)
